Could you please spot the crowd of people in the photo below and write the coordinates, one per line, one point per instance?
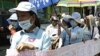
(68, 30)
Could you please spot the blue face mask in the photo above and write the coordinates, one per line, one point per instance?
(73, 23)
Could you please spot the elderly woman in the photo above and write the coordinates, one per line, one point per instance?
(75, 33)
(32, 36)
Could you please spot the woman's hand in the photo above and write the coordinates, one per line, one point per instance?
(23, 46)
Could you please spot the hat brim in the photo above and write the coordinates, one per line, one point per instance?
(12, 19)
(77, 20)
(17, 9)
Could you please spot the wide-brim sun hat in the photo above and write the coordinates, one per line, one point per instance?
(24, 6)
(77, 17)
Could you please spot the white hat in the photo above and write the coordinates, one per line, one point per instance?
(24, 6)
(77, 17)
(13, 17)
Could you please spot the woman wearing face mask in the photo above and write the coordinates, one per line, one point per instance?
(31, 37)
(77, 34)
(13, 25)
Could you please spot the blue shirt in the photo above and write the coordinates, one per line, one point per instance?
(77, 35)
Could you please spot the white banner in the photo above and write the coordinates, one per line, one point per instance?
(89, 48)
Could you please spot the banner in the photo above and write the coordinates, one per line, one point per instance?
(89, 48)
(43, 3)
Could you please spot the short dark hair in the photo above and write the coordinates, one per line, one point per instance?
(37, 22)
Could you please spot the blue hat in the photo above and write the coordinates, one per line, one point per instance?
(77, 17)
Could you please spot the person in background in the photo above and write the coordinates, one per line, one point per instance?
(65, 24)
(53, 31)
(92, 27)
(13, 24)
(76, 32)
(87, 29)
(31, 37)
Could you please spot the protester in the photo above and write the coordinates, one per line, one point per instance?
(77, 34)
(53, 31)
(32, 36)
(66, 26)
(74, 33)
(13, 24)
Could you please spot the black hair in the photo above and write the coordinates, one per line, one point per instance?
(37, 22)
(68, 23)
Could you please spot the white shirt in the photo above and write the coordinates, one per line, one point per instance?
(53, 32)
(38, 38)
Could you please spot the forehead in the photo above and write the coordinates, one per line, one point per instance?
(22, 12)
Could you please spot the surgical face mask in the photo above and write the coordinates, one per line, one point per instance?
(14, 24)
(73, 23)
(25, 24)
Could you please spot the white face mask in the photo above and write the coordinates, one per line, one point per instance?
(14, 24)
(25, 24)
